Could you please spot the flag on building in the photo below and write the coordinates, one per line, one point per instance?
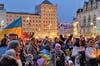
(14, 27)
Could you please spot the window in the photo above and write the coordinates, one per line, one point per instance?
(23, 20)
(30, 20)
(23, 28)
(36, 25)
(89, 20)
(23, 16)
(84, 23)
(7, 19)
(16, 16)
(94, 19)
(36, 29)
(23, 24)
(10, 19)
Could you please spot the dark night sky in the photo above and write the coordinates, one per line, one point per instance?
(66, 8)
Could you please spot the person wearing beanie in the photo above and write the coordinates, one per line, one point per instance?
(9, 58)
(14, 44)
(60, 59)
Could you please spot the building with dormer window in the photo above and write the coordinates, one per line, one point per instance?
(88, 18)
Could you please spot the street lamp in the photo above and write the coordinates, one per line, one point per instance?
(91, 24)
(49, 29)
(95, 29)
(2, 23)
(28, 25)
(98, 18)
(92, 28)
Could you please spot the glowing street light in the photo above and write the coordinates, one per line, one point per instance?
(49, 29)
(29, 24)
(91, 23)
(95, 26)
(98, 18)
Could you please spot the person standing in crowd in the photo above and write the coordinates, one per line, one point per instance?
(9, 58)
(46, 52)
(27, 42)
(32, 48)
(78, 47)
(3, 46)
(68, 51)
(91, 54)
(56, 40)
(60, 59)
(47, 47)
(14, 44)
(41, 47)
(12, 36)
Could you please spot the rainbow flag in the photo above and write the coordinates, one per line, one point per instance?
(14, 27)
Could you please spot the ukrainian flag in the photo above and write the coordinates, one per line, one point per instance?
(14, 27)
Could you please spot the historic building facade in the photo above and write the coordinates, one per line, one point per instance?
(88, 18)
(42, 23)
(2, 16)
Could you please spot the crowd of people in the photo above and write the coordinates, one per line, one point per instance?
(60, 51)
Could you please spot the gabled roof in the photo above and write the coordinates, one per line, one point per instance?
(46, 2)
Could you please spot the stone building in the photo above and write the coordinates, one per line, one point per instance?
(89, 18)
(2, 16)
(42, 23)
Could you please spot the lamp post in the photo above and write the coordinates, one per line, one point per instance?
(2, 23)
(28, 25)
(95, 29)
(39, 33)
(49, 30)
(92, 28)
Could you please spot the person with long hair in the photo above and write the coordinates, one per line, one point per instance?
(78, 47)
(3, 46)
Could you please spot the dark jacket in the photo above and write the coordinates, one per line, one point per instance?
(8, 61)
(61, 62)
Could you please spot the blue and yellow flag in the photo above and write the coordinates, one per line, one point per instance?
(14, 27)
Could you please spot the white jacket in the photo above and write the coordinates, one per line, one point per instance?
(90, 53)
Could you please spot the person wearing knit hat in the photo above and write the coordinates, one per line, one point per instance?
(14, 44)
(9, 58)
(12, 36)
(60, 59)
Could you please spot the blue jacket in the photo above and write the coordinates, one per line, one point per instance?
(41, 47)
(46, 52)
(3, 50)
(64, 47)
(54, 44)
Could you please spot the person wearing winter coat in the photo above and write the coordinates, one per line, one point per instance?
(78, 47)
(14, 44)
(3, 46)
(91, 54)
(60, 59)
(9, 58)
